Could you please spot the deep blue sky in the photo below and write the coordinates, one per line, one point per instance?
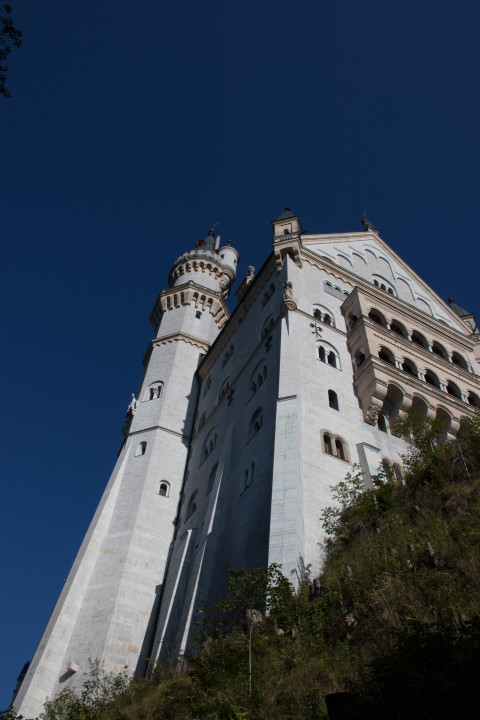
(131, 128)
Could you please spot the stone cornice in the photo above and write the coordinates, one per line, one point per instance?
(204, 261)
(396, 309)
(365, 286)
(175, 337)
(371, 235)
(190, 294)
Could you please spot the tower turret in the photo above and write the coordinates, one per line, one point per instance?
(206, 265)
(109, 601)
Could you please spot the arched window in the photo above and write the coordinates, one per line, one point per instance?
(208, 385)
(457, 359)
(419, 339)
(386, 355)
(352, 319)
(473, 400)
(155, 390)
(209, 446)
(258, 377)
(333, 399)
(359, 359)
(439, 350)
(328, 354)
(340, 452)
(201, 422)
(211, 477)
(327, 444)
(377, 317)
(164, 490)
(398, 328)
(409, 367)
(453, 389)
(382, 423)
(256, 423)
(390, 291)
(192, 505)
(141, 448)
(323, 314)
(397, 470)
(432, 379)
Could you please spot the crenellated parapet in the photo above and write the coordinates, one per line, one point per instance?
(214, 269)
(190, 294)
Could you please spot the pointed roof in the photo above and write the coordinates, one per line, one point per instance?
(287, 213)
(457, 309)
(208, 243)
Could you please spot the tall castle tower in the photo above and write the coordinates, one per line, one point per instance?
(110, 599)
(241, 426)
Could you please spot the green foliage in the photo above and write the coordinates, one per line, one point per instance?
(99, 693)
(393, 619)
(10, 36)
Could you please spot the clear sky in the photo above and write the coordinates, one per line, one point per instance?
(133, 127)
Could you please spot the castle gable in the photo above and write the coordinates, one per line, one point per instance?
(366, 255)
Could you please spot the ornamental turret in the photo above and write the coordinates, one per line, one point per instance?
(208, 264)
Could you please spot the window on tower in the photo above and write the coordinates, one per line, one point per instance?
(164, 490)
(256, 423)
(141, 448)
(155, 390)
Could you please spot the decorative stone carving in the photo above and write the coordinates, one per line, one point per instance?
(288, 290)
(288, 299)
(371, 414)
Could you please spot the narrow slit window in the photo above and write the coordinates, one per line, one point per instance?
(333, 399)
(164, 490)
(339, 449)
(327, 444)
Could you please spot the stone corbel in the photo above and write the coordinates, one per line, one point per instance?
(372, 410)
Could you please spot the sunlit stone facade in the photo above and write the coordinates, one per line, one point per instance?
(241, 425)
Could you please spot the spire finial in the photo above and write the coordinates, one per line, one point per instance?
(367, 225)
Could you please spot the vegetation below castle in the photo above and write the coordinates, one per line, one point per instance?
(394, 618)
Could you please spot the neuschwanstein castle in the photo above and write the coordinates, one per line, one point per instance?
(241, 424)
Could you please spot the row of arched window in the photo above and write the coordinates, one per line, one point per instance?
(380, 284)
(328, 284)
(415, 337)
(323, 315)
(328, 356)
(428, 376)
(335, 445)
(392, 470)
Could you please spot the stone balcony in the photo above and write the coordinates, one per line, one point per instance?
(404, 358)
